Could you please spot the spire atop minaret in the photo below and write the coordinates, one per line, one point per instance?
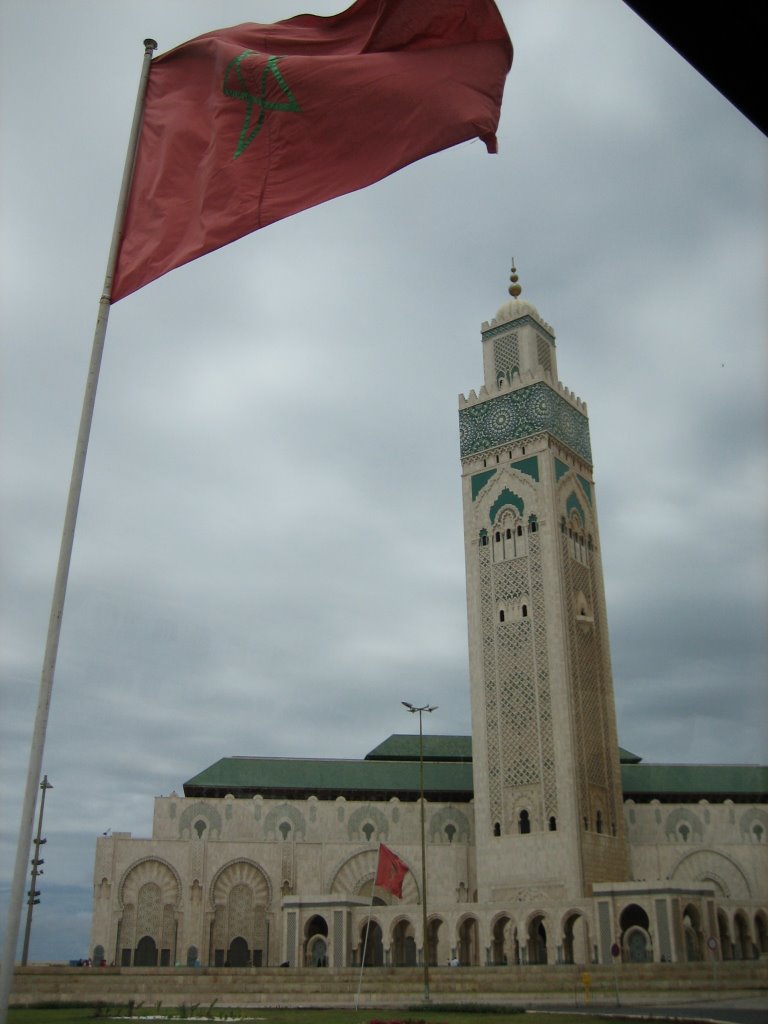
(516, 307)
(514, 289)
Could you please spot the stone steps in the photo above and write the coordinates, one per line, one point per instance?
(401, 986)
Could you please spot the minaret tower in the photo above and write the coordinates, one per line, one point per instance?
(548, 811)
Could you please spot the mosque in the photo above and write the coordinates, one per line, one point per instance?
(545, 842)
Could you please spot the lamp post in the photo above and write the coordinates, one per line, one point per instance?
(36, 862)
(420, 711)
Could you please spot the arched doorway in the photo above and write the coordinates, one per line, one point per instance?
(372, 945)
(145, 954)
(694, 939)
(743, 940)
(635, 937)
(238, 954)
(149, 896)
(193, 957)
(724, 933)
(317, 952)
(537, 941)
(403, 945)
(468, 943)
(761, 932)
(316, 942)
(239, 895)
(576, 940)
(437, 951)
(499, 954)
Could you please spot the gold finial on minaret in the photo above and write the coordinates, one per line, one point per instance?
(514, 289)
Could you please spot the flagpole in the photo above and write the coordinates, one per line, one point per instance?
(367, 931)
(65, 557)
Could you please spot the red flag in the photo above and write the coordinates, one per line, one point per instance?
(250, 124)
(391, 871)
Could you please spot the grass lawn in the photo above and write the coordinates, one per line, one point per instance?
(86, 1015)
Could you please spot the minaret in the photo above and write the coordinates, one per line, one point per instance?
(548, 811)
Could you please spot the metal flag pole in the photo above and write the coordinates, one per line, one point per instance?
(65, 557)
(425, 944)
(367, 932)
(36, 862)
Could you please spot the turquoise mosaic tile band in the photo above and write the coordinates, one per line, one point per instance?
(518, 414)
(521, 321)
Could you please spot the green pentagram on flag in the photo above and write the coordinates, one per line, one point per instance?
(240, 74)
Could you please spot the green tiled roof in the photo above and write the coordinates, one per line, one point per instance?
(299, 778)
(627, 757)
(695, 781)
(392, 769)
(405, 747)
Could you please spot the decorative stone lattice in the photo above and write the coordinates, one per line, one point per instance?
(518, 701)
(447, 818)
(506, 355)
(281, 815)
(149, 911)
(200, 812)
(753, 825)
(169, 927)
(709, 866)
(150, 870)
(543, 353)
(361, 820)
(240, 910)
(597, 775)
(682, 825)
(241, 872)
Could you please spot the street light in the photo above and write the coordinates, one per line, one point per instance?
(36, 870)
(420, 711)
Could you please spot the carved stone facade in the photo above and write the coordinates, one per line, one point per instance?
(531, 857)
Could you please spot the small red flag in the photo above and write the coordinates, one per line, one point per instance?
(391, 871)
(247, 125)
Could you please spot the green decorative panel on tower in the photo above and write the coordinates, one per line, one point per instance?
(574, 505)
(528, 466)
(519, 414)
(479, 480)
(506, 498)
(586, 487)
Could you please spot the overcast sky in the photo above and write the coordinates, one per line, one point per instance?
(269, 553)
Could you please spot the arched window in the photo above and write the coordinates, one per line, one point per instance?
(368, 830)
(524, 823)
(599, 823)
(524, 611)
(200, 827)
(553, 824)
(501, 615)
(497, 828)
(284, 828)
